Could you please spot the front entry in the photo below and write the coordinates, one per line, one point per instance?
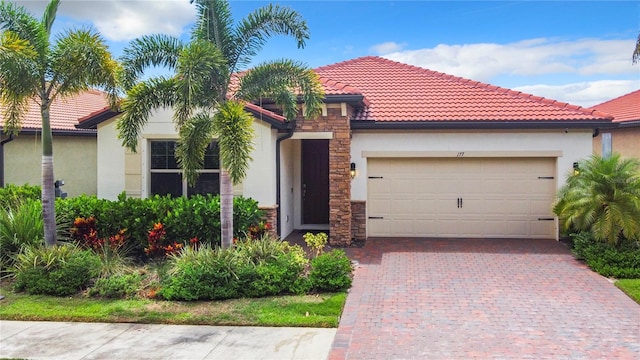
(315, 181)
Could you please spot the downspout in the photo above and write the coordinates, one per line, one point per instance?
(286, 136)
(2, 158)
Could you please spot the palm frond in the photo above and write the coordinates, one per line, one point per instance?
(148, 51)
(49, 15)
(252, 32)
(195, 136)
(141, 100)
(18, 20)
(18, 74)
(635, 58)
(80, 59)
(274, 78)
(200, 67)
(214, 23)
(234, 127)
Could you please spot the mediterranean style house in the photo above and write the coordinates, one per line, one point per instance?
(623, 136)
(74, 149)
(398, 151)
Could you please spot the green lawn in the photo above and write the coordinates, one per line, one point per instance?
(301, 311)
(631, 287)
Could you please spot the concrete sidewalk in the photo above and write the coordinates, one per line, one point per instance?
(69, 341)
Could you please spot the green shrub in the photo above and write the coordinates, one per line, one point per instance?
(58, 270)
(183, 218)
(254, 268)
(619, 261)
(331, 271)
(316, 242)
(12, 196)
(117, 286)
(270, 266)
(20, 226)
(202, 274)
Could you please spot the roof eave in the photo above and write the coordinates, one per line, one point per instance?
(629, 124)
(92, 122)
(478, 124)
(58, 132)
(355, 100)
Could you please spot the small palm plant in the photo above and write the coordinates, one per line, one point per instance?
(603, 198)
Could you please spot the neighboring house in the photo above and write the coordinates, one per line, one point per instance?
(74, 150)
(623, 136)
(398, 151)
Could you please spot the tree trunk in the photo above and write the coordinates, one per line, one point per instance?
(226, 209)
(48, 193)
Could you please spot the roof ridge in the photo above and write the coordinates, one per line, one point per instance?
(490, 87)
(616, 98)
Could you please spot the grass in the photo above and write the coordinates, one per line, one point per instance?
(630, 287)
(321, 310)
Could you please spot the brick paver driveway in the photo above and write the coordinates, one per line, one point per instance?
(460, 299)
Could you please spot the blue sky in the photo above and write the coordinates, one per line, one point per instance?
(574, 51)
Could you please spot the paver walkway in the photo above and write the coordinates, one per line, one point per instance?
(462, 299)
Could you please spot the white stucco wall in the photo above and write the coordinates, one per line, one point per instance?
(74, 161)
(288, 158)
(573, 145)
(111, 171)
(120, 169)
(260, 182)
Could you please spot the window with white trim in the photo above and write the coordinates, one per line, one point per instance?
(606, 145)
(166, 176)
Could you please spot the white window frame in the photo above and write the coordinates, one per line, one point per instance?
(607, 143)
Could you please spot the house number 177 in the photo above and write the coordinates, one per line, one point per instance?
(460, 154)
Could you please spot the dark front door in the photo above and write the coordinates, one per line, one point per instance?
(315, 181)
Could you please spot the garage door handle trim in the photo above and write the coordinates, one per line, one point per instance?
(546, 219)
(376, 177)
(376, 217)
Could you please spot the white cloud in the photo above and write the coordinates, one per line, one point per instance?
(584, 93)
(123, 20)
(387, 47)
(530, 57)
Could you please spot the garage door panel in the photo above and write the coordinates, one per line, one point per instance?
(447, 227)
(517, 228)
(542, 229)
(402, 227)
(540, 207)
(494, 227)
(501, 197)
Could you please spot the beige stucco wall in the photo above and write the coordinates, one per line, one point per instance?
(74, 160)
(623, 141)
(569, 146)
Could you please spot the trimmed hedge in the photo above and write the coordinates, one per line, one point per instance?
(183, 218)
(619, 261)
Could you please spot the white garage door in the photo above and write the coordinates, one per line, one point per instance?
(461, 197)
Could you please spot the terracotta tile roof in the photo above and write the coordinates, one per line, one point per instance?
(401, 92)
(268, 113)
(624, 108)
(65, 112)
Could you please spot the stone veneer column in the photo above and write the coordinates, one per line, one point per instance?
(359, 220)
(271, 217)
(336, 120)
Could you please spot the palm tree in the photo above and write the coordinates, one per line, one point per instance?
(636, 53)
(33, 68)
(207, 91)
(602, 197)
